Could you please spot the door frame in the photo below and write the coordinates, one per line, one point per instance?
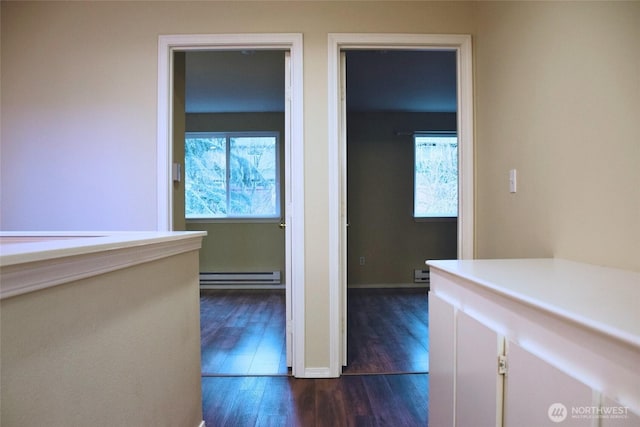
(337, 42)
(294, 156)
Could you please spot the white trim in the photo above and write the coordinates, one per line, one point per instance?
(166, 45)
(76, 259)
(337, 219)
(466, 218)
(344, 326)
(318, 372)
(285, 41)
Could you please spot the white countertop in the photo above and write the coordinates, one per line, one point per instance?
(31, 261)
(601, 298)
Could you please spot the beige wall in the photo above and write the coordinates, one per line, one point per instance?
(178, 128)
(380, 170)
(117, 349)
(241, 246)
(556, 96)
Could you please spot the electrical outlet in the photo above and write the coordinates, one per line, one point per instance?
(362, 260)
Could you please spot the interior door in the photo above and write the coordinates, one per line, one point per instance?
(344, 224)
(287, 208)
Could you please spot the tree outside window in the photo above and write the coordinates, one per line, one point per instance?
(232, 175)
(436, 175)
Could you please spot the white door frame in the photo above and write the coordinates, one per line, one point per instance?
(337, 161)
(294, 156)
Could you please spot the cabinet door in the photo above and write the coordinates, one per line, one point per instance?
(478, 384)
(616, 415)
(538, 394)
(441, 361)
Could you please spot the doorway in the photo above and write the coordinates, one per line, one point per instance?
(401, 199)
(293, 214)
(338, 43)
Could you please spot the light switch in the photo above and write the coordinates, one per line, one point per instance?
(513, 181)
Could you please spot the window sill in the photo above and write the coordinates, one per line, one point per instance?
(436, 219)
(233, 220)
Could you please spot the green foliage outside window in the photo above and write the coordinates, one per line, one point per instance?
(436, 176)
(231, 176)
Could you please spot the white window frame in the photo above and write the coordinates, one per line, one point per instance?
(435, 134)
(241, 218)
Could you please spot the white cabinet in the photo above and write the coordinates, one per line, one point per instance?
(617, 415)
(441, 355)
(568, 333)
(538, 394)
(478, 394)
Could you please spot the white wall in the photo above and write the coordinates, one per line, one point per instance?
(79, 118)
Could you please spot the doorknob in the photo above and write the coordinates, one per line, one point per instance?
(282, 225)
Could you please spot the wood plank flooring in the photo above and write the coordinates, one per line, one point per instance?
(242, 332)
(355, 400)
(387, 331)
(245, 379)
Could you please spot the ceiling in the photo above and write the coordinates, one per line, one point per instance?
(377, 80)
(234, 81)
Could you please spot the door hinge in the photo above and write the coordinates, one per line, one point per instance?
(502, 364)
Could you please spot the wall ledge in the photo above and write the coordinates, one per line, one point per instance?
(36, 265)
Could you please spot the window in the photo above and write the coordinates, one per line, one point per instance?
(232, 175)
(436, 175)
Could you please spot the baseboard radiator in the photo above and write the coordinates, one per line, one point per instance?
(261, 279)
(421, 276)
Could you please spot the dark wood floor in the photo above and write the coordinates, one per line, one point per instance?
(242, 332)
(387, 331)
(245, 379)
(352, 400)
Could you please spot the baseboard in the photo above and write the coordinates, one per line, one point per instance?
(201, 424)
(318, 373)
(388, 285)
